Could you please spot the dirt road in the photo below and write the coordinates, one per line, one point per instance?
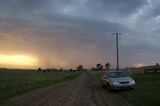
(77, 92)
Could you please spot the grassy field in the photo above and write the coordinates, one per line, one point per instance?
(146, 92)
(15, 82)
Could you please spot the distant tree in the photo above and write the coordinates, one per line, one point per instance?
(53, 69)
(39, 69)
(99, 67)
(44, 71)
(48, 70)
(107, 66)
(80, 68)
(61, 69)
(157, 64)
(71, 70)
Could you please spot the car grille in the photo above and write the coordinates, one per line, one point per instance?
(124, 82)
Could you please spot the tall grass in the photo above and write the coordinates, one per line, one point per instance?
(15, 82)
(96, 77)
(147, 90)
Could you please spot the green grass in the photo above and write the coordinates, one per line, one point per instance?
(96, 76)
(147, 91)
(15, 82)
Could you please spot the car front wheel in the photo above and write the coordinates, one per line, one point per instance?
(102, 84)
(109, 88)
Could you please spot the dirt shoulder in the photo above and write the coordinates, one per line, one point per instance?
(76, 92)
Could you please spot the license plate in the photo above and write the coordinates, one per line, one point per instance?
(125, 86)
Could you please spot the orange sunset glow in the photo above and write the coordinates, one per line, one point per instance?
(139, 65)
(17, 60)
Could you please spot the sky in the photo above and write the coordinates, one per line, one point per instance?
(68, 33)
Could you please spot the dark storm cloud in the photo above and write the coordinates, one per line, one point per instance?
(70, 30)
(153, 11)
(95, 8)
(115, 7)
(68, 12)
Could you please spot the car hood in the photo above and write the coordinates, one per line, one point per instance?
(121, 79)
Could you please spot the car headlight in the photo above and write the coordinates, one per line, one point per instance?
(115, 83)
(132, 82)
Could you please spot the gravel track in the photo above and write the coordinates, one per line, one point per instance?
(77, 92)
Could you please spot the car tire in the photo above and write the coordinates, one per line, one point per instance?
(133, 88)
(109, 89)
(102, 84)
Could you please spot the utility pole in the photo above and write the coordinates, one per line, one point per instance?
(117, 49)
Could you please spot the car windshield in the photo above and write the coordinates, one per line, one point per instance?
(116, 74)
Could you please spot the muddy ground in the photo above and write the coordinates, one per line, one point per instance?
(77, 92)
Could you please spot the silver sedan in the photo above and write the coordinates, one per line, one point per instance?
(117, 80)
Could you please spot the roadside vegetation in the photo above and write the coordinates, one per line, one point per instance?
(146, 92)
(96, 77)
(15, 82)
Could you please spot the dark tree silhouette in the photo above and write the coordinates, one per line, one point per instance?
(99, 66)
(93, 69)
(61, 69)
(48, 70)
(80, 68)
(107, 66)
(44, 71)
(157, 64)
(71, 70)
(39, 69)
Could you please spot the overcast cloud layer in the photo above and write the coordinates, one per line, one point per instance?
(66, 33)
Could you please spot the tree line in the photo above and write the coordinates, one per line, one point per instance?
(98, 67)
